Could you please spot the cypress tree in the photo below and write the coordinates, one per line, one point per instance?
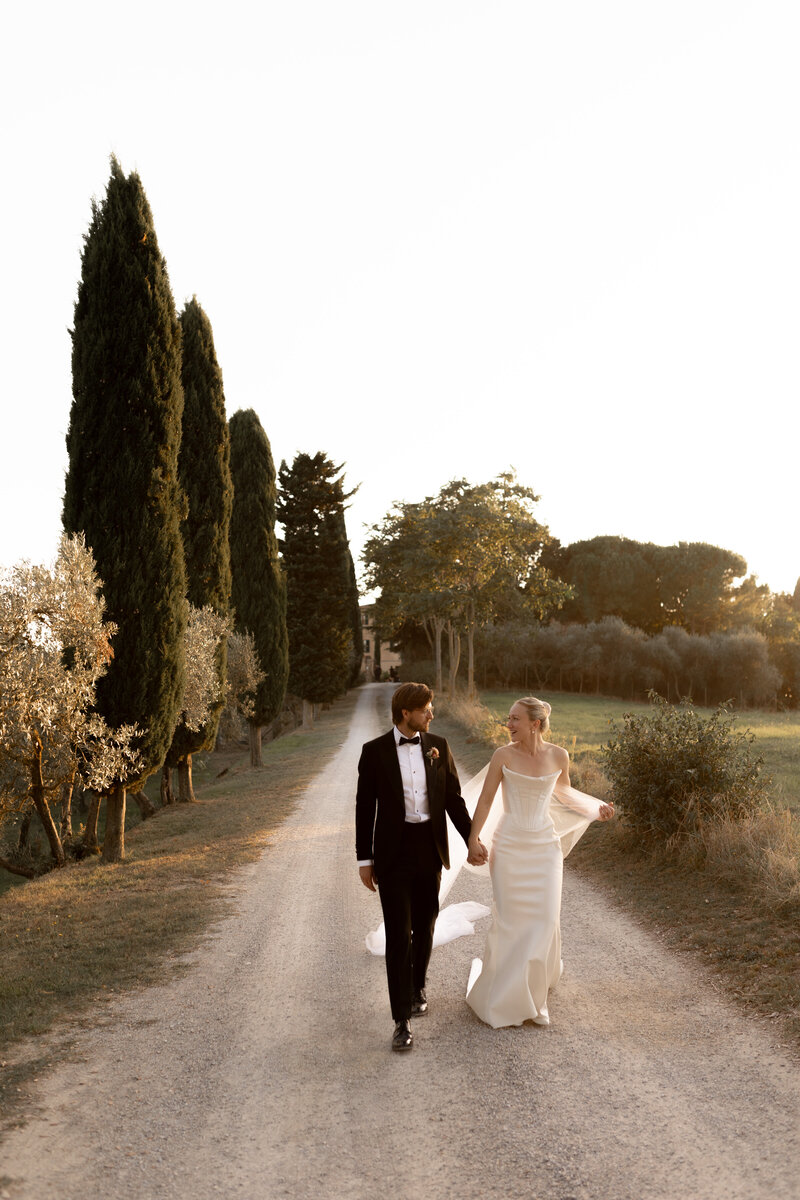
(357, 647)
(205, 475)
(319, 589)
(258, 593)
(122, 488)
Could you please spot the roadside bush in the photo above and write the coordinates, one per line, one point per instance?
(672, 770)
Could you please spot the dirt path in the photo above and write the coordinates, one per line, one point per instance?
(266, 1071)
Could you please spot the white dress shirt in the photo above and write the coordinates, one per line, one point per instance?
(415, 784)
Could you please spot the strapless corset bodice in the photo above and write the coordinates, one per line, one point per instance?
(526, 799)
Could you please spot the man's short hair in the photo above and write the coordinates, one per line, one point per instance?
(409, 696)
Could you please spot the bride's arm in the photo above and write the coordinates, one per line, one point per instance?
(595, 809)
(490, 785)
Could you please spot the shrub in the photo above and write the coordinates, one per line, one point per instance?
(672, 770)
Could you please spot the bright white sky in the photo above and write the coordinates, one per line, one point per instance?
(437, 239)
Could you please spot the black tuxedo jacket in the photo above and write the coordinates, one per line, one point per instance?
(380, 808)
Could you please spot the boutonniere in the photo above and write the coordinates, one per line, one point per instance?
(432, 755)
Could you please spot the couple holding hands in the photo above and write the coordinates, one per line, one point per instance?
(407, 787)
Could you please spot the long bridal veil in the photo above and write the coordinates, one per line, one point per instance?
(572, 812)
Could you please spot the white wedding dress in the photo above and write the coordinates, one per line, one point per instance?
(570, 813)
(538, 826)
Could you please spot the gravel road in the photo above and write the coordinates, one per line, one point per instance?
(265, 1070)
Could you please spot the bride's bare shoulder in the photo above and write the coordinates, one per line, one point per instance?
(501, 756)
(558, 752)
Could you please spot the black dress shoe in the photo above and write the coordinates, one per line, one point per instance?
(419, 1005)
(403, 1037)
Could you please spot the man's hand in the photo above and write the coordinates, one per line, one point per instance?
(368, 877)
(477, 853)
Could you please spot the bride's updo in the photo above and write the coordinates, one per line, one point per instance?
(537, 710)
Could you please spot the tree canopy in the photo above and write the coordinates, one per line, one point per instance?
(461, 558)
(649, 586)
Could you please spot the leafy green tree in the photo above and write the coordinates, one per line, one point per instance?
(400, 556)
(479, 548)
(311, 507)
(258, 594)
(122, 488)
(204, 470)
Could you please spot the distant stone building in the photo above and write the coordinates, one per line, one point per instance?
(374, 654)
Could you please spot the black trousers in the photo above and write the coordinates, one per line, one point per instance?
(409, 892)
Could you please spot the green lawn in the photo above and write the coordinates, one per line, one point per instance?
(581, 723)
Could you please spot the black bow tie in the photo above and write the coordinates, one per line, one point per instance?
(410, 741)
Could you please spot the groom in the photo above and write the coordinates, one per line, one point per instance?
(407, 782)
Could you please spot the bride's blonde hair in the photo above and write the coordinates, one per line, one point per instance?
(537, 710)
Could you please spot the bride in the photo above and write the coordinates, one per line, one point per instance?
(542, 818)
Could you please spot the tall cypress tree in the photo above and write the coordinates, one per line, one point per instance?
(357, 647)
(205, 475)
(315, 557)
(122, 488)
(258, 593)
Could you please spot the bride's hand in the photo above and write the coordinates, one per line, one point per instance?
(606, 812)
(477, 852)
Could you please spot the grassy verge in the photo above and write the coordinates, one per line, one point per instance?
(74, 938)
(717, 908)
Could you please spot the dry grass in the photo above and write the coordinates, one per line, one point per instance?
(760, 853)
(729, 897)
(474, 718)
(71, 939)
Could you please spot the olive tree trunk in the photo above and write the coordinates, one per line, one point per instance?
(185, 790)
(24, 829)
(114, 840)
(146, 809)
(66, 809)
(90, 843)
(39, 798)
(167, 794)
(254, 732)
